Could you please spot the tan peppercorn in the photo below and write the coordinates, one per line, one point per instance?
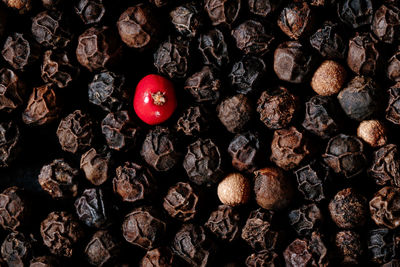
(234, 190)
(373, 132)
(329, 78)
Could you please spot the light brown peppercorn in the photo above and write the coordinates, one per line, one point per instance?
(329, 78)
(234, 190)
(272, 188)
(373, 132)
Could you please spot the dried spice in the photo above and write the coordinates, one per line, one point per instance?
(102, 249)
(203, 162)
(373, 132)
(16, 249)
(251, 38)
(213, 48)
(277, 107)
(107, 91)
(345, 155)
(296, 19)
(328, 41)
(356, 13)
(297, 254)
(158, 257)
(273, 190)
(22, 6)
(329, 78)
(19, 52)
(245, 150)
(90, 11)
(43, 106)
(143, 228)
(386, 165)
(49, 31)
(194, 121)
(133, 182)
(96, 164)
(305, 219)
(349, 247)
(172, 58)
(9, 142)
(289, 147)
(98, 48)
(363, 55)
(262, 8)
(59, 179)
(159, 149)
(192, 244)
(257, 231)
(383, 245)
(224, 223)
(60, 232)
(204, 86)
(181, 202)
(393, 107)
(247, 74)
(348, 209)
(14, 209)
(393, 67)
(222, 11)
(384, 207)
(12, 90)
(235, 113)
(57, 68)
(91, 208)
(263, 258)
(386, 23)
(187, 19)
(44, 261)
(293, 63)
(321, 117)
(234, 190)
(138, 27)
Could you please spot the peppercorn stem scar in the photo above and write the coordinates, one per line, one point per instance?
(159, 98)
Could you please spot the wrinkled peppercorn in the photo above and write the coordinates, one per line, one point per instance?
(363, 55)
(52, 4)
(9, 142)
(222, 11)
(98, 48)
(349, 247)
(385, 167)
(247, 74)
(234, 190)
(297, 254)
(49, 31)
(203, 162)
(356, 13)
(107, 91)
(386, 23)
(263, 258)
(348, 209)
(257, 231)
(345, 155)
(329, 78)
(305, 219)
(224, 223)
(12, 90)
(60, 232)
(59, 179)
(321, 117)
(91, 208)
(143, 227)
(245, 150)
(187, 19)
(44, 261)
(373, 132)
(181, 202)
(96, 164)
(102, 249)
(193, 245)
(75, 132)
(251, 38)
(213, 48)
(138, 27)
(22, 6)
(14, 208)
(43, 106)
(360, 98)
(133, 182)
(172, 57)
(384, 207)
(119, 131)
(204, 86)
(16, 249)
(393, 107)
(296, 19)
(328, 41)
(312, 180)
(292, 62)
(158, 257)
(262, 8)
(90, 11)
(383, 245)
(235, 113)
(19, 52)
(272, 188)
(57, 68)
(289, 147)
(159, 149)
(194, 121)
(393, 67)
(277, 107)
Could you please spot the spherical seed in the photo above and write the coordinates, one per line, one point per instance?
(328, 79)
(234, 190)
(373, 132)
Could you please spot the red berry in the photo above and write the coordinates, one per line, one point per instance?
(155, 99)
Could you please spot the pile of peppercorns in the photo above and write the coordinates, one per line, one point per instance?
(267, 136)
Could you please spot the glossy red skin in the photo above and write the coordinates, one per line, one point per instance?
(143, 103)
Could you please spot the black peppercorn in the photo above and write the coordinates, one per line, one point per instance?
(19, 52)
(245, 150)
(298, 254)
(247, 74)
(224, 223)
(213, 48)
(263, 8)
(14, 208)
(13, 90)
(393, 107)
(95, 165)
(22, 6)
(57, 68)
(385, 207)
(393, 67)
(363, 57)
(187, 19)
(9, 142)
(181, 202)
(356, 13)
(263, 258)
(349, 247)
(385, 167)
(204, 86)
(91, 208)
(382, 244)
(222, 11)
(158, 257)
(194, 121)
(44, 261)
(305, 219)
(102, 249)
(386, 23)
(296, 19)
(90, 11)
(328, 41)
(235, 113)
(16, 249)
